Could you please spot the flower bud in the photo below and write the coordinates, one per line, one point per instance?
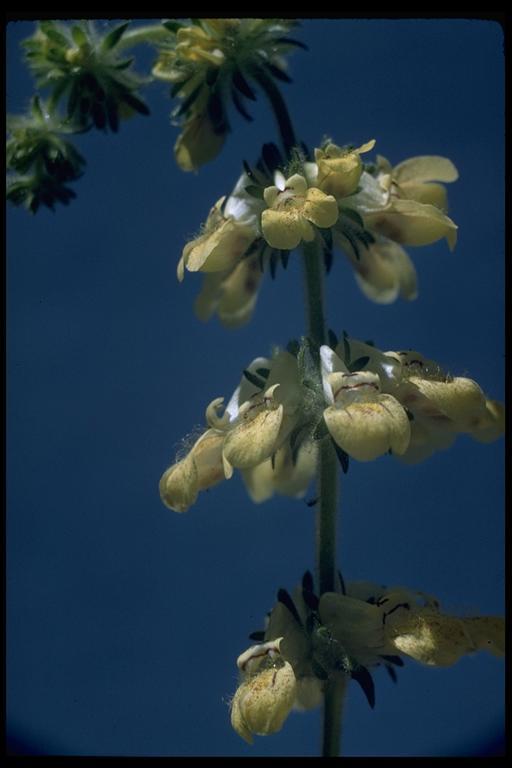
(263, 701)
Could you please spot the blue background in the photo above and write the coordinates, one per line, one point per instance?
(124, 620)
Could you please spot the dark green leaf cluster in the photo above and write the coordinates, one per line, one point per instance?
(40, 161)
(83, 69)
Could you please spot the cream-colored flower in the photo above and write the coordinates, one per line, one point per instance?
(398, 620)
(490, 424)
(231, 294)
(254, 435)
(417, 178)
(282, 475)
(210, 64)
(338, 170)
(388, 211)
(293, 208)
(199, 142)
(343, 634)
(267, 693)
(384, 271)
(252, 428)
(439, 406)
(201, 468)
(364, 422)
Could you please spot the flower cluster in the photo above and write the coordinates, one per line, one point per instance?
(40, 161)
(368, 402)
(79, 64)
(311, 640)
(369, 212)
(211, 63)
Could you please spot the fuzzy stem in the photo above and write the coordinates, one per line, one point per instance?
(327, 490)
(151, 34)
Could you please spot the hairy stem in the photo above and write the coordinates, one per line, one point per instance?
(327, 488)
(150, 34)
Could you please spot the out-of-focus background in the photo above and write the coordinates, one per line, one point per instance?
(124, 619)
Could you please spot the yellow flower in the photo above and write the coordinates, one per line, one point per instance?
(201, 468)
(406, 212)
(231, 294)
(417, 177)
(199, 142)
(254, 425)
(211, 63)
(254, 435)
(489, 424)
(439, 406)
(397, 619)
(228, 232)
(340, 635)
(282, 474)
(266, 695)
(364, 422)
(292, 209)
(384, 271)
(338, 169)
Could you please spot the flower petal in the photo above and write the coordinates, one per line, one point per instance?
(384, 272)
(254, 438)
(439, 640)
(282, 229)
(412, 223)
(426, 168)
(320, 208)
(179, 485)
(263, 702)
(366, 430)
(460, 399)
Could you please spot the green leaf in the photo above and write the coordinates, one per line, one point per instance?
(333, 339)
(59, 89)
(320, 430)
(125, 64)
(327, 237)
(263, 372)
(242, 85)
(135, 103)
(172, 26)
(49, 29)
(292, 41)
(36, 108)
(260, 383)
(113, 37)
(342, 457)
(188, 101)
(274, 259)
(277, 72)
(328, 259)
(354, 216)
(239, 105)
(79, 36)
(293, 347)
(255, 191)
(318, 670)
(359, 364)
(346, 349)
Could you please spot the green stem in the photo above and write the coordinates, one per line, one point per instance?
(333, 710)
(278, 104)
(154, 33)
(327, 490)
